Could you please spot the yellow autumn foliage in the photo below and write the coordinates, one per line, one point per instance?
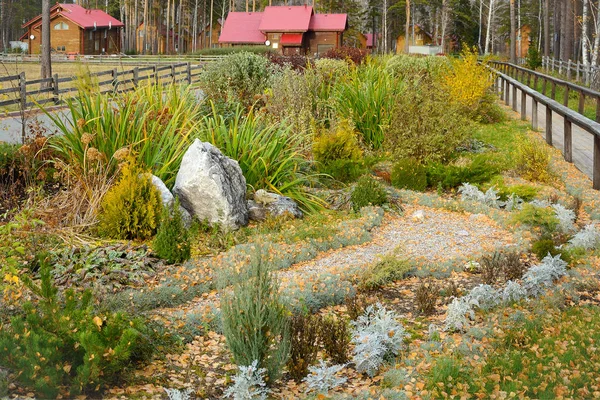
(467, 82)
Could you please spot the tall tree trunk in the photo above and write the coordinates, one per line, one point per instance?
(212, 6)
(569, 31)
(519, 33)
(584, 34)
(513, 33)
(557, 21)
(406, 27)
(167, 27)
(45, 60)
(488, 34)
(173, 26)
(146, 22)
(547, 28)
(385, 27)
(480, 26)
(195, 30)
(445, 17)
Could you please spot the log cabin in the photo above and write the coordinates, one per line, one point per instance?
(286, 29)
(76, 30)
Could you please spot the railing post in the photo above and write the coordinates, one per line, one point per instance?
(569, 68)
(548, 125)
(544, 80)
(514, 97)
(553, 91)
(534, 113)
(155, 74)
(597, 109)
(577, 75)
(523, 106)
(535, 82)
(55, 89)
(596, 171)
(568, 140)
(136, 76)
(581, 107)
(115, 79)
(566, 97)
(173, 73)
(189, 73)
(22, 102)
(507, 92)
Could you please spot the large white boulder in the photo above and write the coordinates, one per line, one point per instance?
(212, 187)
(168, 200)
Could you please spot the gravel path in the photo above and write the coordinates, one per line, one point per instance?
(421, 234)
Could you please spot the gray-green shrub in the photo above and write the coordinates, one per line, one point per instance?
(368, 191)
(255, 322)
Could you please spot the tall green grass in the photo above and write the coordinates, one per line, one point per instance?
(366, 97)
(268, 153)
(154, 122)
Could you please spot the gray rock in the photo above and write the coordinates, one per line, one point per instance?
(212, 187)
(275, 206)
(167, 199)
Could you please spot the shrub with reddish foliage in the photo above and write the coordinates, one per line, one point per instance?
(346, 53)
(296, 61)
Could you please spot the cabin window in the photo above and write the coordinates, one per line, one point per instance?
(61, 26)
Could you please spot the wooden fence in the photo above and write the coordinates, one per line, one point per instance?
(584, 74)
(507, 87)
(17, 90)
(550, 84)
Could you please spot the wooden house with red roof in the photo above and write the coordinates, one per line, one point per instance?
(287, 29)
(75, 29)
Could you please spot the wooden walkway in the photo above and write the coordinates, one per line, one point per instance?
(583, 142)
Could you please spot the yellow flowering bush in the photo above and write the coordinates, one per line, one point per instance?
(467, 82)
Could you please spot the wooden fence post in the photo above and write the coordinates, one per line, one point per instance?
(534, 113)
(596, 171)
(55, 89)
(189, 73)
(136, 76)
(566, 97)
(568, 140)
(514, 98)
(523, 106)
(173, 73)
(507, 92)
(115, 82)
(22, 102)
(155, 74)
(548, 125)
(581, 103)
(577, 76)
(569, 68)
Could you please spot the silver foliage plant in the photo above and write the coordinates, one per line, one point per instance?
(484, 297)
(376, 336)
(459, 313)
(513, 292)
(566, 218)
(539, 277)
(588, 238)
(176, 394)
(248, 383)
(322, 378)
(469, 192)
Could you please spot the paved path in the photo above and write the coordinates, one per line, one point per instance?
(583, 142)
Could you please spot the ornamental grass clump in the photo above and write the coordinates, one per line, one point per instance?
(335, 338)
(366, 96)
(304, 344)
(172, 241)
(377, 337)
(255, 322)
(268, 153)
(156, 123)
(132, 207)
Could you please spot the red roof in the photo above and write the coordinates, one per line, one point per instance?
(242, 28)
(291, 39)
(87, 19)
(286, 19)
(328, 22)
(369, 37)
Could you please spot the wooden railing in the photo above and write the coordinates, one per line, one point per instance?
(550, 84)
(571, 69)
(17, 90)
(507, 87)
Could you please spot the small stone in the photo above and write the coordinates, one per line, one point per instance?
(12, 386)
(418, 215)
(463, 233)
(477, 217)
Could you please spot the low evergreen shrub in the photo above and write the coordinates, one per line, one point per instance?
(409, 174)
(368, 191)
(172, 242)
(131, 209)
(55, 346)
(480, 170)
(388, 269)
(339, 144)
(534, 216)
(344, 171)
(543, 247)
(255, 322)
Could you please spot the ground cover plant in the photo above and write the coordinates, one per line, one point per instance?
(420, 268)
